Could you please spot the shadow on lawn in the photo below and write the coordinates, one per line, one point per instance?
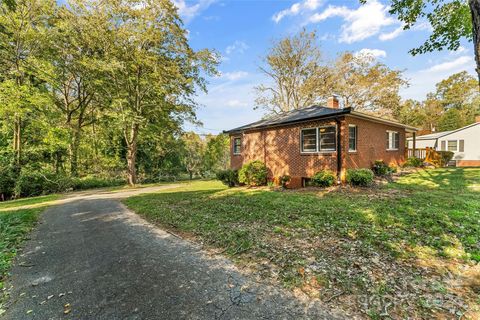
(329, 236)
(436, 223)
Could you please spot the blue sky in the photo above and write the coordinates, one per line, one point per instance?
(242, 31)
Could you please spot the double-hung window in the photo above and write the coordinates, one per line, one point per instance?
(352, 138)
(393, 140)
(452, 145)
(309, 140)
(321, 139)
(237, 146)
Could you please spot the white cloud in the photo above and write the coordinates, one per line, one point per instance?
(232, 76)
(296, 8)
(424, 81)
(460, 50)
(451, 65)
(359, 24)
(234, 103)
(188, 12)
(237, 46)
(391, 35)
(229, 104)
(377, 53)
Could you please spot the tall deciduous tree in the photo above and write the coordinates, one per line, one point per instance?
(299, 77)
(193, 153)
(451, 21)
(152, 71)
(366, 84)
(22, 24)
(296, 72)
(69, 67)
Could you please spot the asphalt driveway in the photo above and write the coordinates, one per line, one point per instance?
(91, 258)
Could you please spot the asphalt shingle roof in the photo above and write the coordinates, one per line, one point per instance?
(310, 113)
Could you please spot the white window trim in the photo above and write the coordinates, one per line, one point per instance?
(356, 137)
(317, 144)
(233, 146)
(457, 146)
(391, 142)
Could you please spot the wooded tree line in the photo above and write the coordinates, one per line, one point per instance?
(99, 87)
(300, 76)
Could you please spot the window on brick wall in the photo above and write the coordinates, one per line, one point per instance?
(393, 140)
(237, 145)
(309, 140)
(327, 138)
(321, 139)
(352, 137)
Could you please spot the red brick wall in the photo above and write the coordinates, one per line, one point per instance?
(468, 163)
(372, 144)
(279, 149)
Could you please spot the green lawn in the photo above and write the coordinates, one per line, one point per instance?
(28, 201)
(401, 241)
(15, 225)
(14, 228)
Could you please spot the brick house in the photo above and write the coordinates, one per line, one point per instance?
(302, 142)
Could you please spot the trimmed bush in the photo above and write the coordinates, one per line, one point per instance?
(413, 162)
(324, 178)
(380, 168)
(228, 177)
(445, 157)
(253, 173)
(360, 177)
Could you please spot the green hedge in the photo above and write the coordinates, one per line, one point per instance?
(323, 178)
(360, 177)
(228, 177)
(413, 162)
(254, 173)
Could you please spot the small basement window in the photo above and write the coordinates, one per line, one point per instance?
(237, 145)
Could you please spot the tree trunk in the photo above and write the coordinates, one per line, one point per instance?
(131, 139)
(475, 11)
(17, 140)
(74, 145)
(191, 175)
(131, 162)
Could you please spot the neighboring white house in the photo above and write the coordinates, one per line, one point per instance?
(463, 142)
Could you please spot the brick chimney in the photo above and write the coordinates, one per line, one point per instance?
(333, 103)
(477, 119)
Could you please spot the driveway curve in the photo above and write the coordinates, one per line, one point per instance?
(92, 258)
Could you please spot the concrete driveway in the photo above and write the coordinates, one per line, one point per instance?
(91, 258)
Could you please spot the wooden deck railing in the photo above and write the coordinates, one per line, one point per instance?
(419, 153)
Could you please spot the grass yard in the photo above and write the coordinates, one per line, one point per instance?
(28, 201)
(407, 249)
(14, 228)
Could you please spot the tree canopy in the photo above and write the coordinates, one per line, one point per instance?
(98, 87)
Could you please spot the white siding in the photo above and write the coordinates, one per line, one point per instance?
(422, 144)
(471, 137)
